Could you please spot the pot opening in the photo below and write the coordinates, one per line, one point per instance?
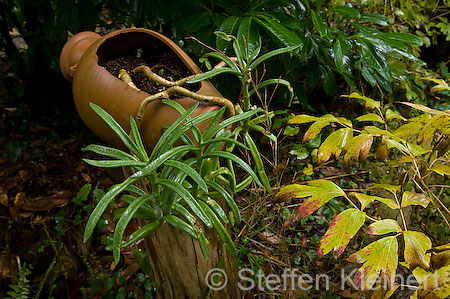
(132, 49)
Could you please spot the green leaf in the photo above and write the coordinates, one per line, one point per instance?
(319, 192)
(142, 232)
(342, 56)
(273, 26)
(441, 169)
(228, 199)
(317, 127)
(302, 119)
(212, 73)
(334, 144)
(416, 246)
(370, 117)
(217, 209)
(347, 11)
(393, 115)
(191, 172)
(187, 198)
(83, 194)
(342, 228)
(236, 160)
(319, 23)
(230, 63)
(123, 223)
(435, 285)
(379, 257)
(275, 82)
(249, 39)
(291, 131)
(406, 38)
(118, 130)
(203, 242)
(270, 54)
(412, 198)
(137, 138)
(109, 152)
(179, 208)
(374, 18)
(103, 204)
(385, 226)
(365, 199)
(391, 188)
(114, 163)
(221, 231)
(181, 225)
(229, 25)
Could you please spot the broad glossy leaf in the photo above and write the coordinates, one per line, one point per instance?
(342, 56)
(365, 199)
(374, 18)
(390, 143)
(347, 11)
(370, 117)
(406, 38)
(385, 226)
(436, 285)
(273, 26)
(416, 246)
(369, 103)
(318, 192)
(334, 144)
(416, 150)
(249, 39)
(319, 23)
(378, 258)
(229, 26)
(342, 228)
(357, 148)
(412, 198)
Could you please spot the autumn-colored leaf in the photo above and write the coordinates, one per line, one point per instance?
(302, 119)
(441, 256)
(365, 199)
(436, 285)
(441, 84)
(372, 130)
(369, 103)
(334, 144)
(342, 228)
(378, 258)
(441, 169)
(357, 148)
(416, 246)
(411, 198)
(269, 238)
(383, 227)
(318, 192)
(45, 204)
(426, 109)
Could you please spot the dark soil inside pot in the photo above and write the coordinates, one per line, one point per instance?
(166, 65)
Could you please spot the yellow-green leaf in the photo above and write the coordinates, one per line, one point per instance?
(442, 169)
(378, 258)
(365, 199)
(357, 148)
(377, 131)
(411, 198)
(383, 227)
(426, 109)
(342, 228)
(370, 104)
(334, 144)
(370, 117)
(416, 150)
(416, 246)
(317, 126)
(441, 84)
(308, 170)
(392, 143)
(393, 115)
(436, 285)
(302, 119)
(391, 188)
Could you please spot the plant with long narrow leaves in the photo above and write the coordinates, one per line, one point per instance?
(185, 179)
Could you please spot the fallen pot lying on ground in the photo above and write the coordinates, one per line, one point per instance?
(93, 83)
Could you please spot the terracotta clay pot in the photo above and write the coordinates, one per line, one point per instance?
(93, 83)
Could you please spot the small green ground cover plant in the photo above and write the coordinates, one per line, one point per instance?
(418, 146)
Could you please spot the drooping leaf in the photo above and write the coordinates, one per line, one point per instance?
(441, 84)
(370, 117)
(378, 258)
(357, 148)
(342, 228)
(365, 199)
(334, 144)
(370, 104)
(319, 23)
(385, 226)
(181, 225)
(393, 115)
(412, 198)
(426, 109)
(416, 246)
(229, 25)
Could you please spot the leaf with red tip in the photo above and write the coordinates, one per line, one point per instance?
(416, 246)
(378, 258)
(343, 227)
(357, 148)
(384, 226)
